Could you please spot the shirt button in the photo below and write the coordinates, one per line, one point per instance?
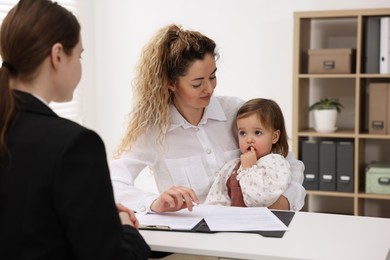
(208, 151)
(294, 208)
(196, 129)
(143, 209)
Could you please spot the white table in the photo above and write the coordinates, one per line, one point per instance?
(310, 236)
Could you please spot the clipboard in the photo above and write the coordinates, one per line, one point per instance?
(285, 216)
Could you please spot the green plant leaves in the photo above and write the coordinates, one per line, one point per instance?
(327, 103)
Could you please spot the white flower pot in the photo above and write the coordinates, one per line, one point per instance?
(325, 120)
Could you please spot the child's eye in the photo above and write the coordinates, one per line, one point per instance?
(242, 133)
(258, 132)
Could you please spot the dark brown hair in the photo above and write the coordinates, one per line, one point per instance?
(27, 35)
(271, 116)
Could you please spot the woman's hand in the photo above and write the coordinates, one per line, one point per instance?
(127, 216)
(282, 203)
(174, 199)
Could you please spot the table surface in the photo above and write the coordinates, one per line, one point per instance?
(310, 236)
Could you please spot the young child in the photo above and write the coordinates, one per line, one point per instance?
(261, 174)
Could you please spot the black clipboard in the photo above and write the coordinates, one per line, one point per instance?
(201, 227)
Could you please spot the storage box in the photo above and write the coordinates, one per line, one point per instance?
(378, 108)
(331, 61)
(378, 178)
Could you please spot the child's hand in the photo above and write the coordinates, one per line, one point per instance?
(248, 159)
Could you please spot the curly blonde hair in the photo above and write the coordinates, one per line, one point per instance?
(166, 57)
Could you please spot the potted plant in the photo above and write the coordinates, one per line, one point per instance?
(325, 114)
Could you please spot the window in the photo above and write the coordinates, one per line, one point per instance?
(70, 110)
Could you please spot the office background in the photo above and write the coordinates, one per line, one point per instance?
(254, 38)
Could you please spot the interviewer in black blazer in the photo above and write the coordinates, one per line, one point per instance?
(56, 198)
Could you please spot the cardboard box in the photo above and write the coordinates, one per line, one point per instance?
(388, 108)
(331, 61)
(378, 108)
(378, 178)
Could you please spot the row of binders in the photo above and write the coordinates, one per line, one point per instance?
(377, 45)
(329, 165)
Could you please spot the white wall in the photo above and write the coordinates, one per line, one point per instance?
(254, 38)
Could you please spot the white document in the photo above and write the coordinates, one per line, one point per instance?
(244, 219)
(384, 65)
(218, 218)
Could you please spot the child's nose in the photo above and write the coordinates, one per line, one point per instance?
(250, 139)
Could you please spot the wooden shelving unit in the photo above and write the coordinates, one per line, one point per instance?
(339, 29)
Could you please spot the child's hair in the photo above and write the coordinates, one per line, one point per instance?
(271, 116)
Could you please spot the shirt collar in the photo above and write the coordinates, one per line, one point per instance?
(213, 111)
(41, 99)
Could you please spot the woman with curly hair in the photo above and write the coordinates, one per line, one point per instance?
(179, 129)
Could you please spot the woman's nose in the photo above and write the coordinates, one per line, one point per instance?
(209, 87)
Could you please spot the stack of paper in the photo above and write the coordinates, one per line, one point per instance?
(218, 218)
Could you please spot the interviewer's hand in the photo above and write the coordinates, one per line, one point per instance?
(127, 216)
(174, 199)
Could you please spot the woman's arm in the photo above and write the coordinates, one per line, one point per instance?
(295, 193)
(126, 169)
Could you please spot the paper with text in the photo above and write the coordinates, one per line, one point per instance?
(244, 219)
(218, 218)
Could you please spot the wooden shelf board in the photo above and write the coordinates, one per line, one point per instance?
(374, 136)
(339, 133)
(326, 76)
(374, 196)
(330, 193)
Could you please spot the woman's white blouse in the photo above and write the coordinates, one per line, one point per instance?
(190, 156)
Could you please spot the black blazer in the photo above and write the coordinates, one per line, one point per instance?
(56, 197)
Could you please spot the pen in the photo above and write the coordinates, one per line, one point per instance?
(157, 227)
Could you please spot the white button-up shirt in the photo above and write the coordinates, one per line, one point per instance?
(189, 156)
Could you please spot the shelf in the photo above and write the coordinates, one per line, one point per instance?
(368, 76)
(339, 133)
(330, 193)
(348, 194)
(375, 76)
(372, 136)
(326, 76)
(374, 196)
(332, 30)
